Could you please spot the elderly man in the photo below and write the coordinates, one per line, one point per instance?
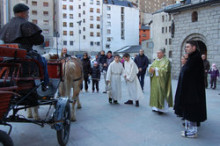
(206, 69)
(190, 98)
(64, 53)
(142, 62)
(161, 90)
(133, 84)
(26, 34)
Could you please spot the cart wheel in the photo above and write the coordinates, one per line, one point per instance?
(63, 135)
(5, 139)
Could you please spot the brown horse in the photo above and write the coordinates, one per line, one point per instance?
(73, 78)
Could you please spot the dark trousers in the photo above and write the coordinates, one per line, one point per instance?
(95, 84)
(141, 79)
(213, 83)
(206, 80)
(86, 82)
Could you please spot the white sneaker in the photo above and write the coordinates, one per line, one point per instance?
(188, 134)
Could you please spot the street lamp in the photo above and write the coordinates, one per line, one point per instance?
(79, 22)
(57, 35)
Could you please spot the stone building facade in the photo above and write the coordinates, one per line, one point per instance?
(199, 21)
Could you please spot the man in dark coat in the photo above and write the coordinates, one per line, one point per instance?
(86, 69)
(206, 69)
(103, 66)
(190, 99)
(26, 34)
(142, 62)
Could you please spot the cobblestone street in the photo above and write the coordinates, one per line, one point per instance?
(101, 124)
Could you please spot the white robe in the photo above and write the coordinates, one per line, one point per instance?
(115, 70)
(133, 84)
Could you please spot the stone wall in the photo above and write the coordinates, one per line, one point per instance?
(206, 29)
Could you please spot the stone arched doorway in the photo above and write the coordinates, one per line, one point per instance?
(201, 42)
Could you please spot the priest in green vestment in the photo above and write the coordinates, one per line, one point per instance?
(161, 90)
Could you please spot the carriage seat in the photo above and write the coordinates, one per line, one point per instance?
(12, 50)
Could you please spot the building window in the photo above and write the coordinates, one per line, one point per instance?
(64, 15)
(71, 43)
(84, 37)
(165, 41)
(71, 0)
(91, 25)
(169, 17)
(91, 1)
(71, 24)
(108, 31)
(98, 34)
(64, 42)
(71, 16)
(84, 29)
(170, 41)
(64, 7)
(91, 43)
(170, 54)
(91, 34)
(108, 23)
(84, 20)
(98, 18)
(108, 39)
(71, 33)
(107, 46)
(108, 16)
(98, 26)
(109, 8)
(162, 29)
(64, 32)
(64, 24)
(98, 10)
(163, 18)
(45, 4)
(122, 10)
(98, 43)
(166, 29)
(169, 28)
(46, 13)
(98, 2)
(46, 22)
(34, 12)
(45, 31)
(91, 9)
(84, 4)
(194, 16)
(79, 14)
(34, 3)
(91, 17)
(34, 21)
(71, 7)
(84, 12)
(79, 6)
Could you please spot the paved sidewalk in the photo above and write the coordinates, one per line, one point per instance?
(101, 124)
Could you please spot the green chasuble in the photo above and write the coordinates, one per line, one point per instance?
(161, 88)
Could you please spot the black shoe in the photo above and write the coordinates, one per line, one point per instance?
(115, 102)
(129, 102)
(160, 113)
(104, 92)
(154, 111)
(137, 103)
(110, 100)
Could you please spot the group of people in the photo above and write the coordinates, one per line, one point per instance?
(190, 98)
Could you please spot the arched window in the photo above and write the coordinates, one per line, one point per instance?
(194, 16)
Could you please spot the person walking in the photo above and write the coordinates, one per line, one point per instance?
(113, 78)
(206, 69)
(161, 97)
(95, 77)
(103, 66)
(86, 70)
(214, 72)
(130, 74)
(64, 53)
(142, 62)
(190, 98)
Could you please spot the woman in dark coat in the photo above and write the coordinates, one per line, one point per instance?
(190, 98)
(86, 69)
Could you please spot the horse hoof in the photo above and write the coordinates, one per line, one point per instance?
(73, 120)
(79, 107)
